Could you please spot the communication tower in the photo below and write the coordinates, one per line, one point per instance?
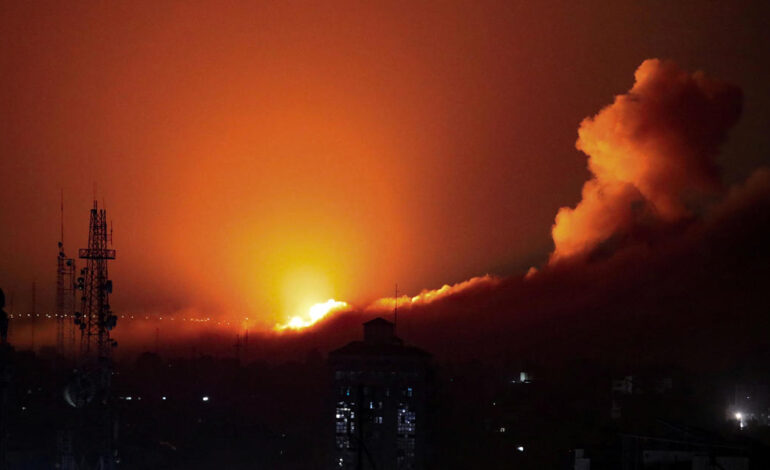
(34, 316)
(92, 441)
(95, 318)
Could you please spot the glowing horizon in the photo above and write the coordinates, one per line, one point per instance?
(322, 309)
(314, 314)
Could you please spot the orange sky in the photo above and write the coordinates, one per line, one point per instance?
(257, 159)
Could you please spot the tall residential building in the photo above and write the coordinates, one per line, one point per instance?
(381, 387)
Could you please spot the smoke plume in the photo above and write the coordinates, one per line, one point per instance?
(651, 154)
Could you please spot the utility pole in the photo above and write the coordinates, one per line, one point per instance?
(65, 292)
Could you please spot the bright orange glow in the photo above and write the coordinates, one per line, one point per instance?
(302, 288)
(252, 147)
(321, 310)
(258, 159)
(315, 313)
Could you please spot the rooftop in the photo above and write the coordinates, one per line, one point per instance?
(379, 340)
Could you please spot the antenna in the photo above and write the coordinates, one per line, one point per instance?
(34, 315)
(65, 290)
(96, 318)
(61, 238)
(395, 308)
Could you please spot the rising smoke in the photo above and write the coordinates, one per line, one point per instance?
(652, 157)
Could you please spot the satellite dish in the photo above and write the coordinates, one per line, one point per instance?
(80, 390)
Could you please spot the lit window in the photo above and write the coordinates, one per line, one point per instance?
(405, 421)
(344, 417)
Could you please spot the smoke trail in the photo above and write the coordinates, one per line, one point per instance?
(428, 296)
(330, 308)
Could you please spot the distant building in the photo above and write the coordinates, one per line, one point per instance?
(380, 401)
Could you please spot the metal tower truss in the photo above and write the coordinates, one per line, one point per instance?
(95, 318)
(94, 434)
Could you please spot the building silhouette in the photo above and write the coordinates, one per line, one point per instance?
(380, 393)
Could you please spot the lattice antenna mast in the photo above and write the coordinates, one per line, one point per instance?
(34, 313)
(95, 318)
(65, 289)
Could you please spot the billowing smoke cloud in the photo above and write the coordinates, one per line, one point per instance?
(651, 154)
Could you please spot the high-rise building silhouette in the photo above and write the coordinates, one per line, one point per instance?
(380, 392)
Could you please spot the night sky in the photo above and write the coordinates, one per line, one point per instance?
(259, 159)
